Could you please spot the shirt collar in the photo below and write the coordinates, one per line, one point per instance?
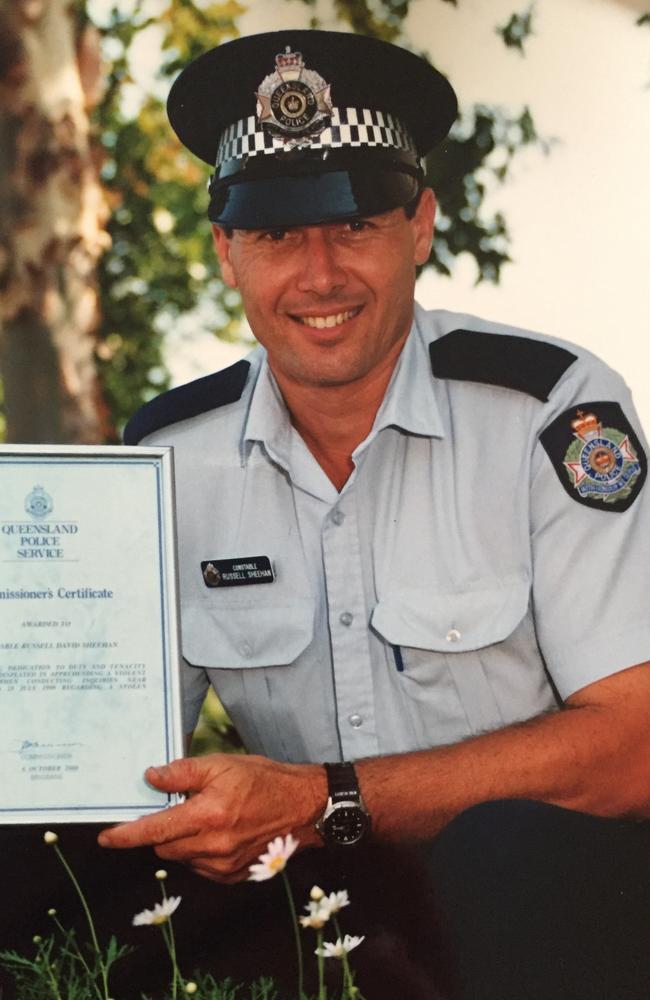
(268, 419)
(409, 403)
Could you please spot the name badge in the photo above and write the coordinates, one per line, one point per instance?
(237, 572)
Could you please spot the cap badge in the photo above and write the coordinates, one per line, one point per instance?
(294, 102)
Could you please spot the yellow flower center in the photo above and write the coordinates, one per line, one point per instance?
(277, 864)
(161, 918)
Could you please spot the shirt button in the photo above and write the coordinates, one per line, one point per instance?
(355, 721)
(453, 635)
(346, 618)
(338, 516)
(246, 649)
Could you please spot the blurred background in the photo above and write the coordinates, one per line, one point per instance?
(109, 291)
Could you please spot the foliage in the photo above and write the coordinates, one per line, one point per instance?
(60, 969)
(215, 732)
(161, 261)
(479, 151)
(644, 19)
(517, 29)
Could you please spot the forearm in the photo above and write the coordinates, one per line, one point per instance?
(579, 758)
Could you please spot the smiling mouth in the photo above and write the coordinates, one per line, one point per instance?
(330, 321)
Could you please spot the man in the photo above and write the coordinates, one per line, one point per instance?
(416, 542)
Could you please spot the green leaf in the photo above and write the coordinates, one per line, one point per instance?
(520, 27)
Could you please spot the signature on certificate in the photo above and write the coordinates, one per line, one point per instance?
(30, 748)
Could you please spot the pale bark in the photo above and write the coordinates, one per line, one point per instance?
(52, 216)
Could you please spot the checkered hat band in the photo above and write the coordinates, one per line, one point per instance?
(351, 127)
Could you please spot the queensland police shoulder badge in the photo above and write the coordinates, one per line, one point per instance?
(294, 102)
(597, 456)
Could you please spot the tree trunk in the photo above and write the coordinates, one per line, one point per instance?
(52, 214)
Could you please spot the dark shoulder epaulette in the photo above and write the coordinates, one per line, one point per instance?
(521, 363)
(207, 393)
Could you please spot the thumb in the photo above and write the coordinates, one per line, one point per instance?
(183, 775)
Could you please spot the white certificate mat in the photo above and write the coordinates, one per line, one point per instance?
(89, 660)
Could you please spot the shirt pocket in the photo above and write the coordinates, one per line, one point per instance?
(239, 636)
(243, 648)
(448, 647)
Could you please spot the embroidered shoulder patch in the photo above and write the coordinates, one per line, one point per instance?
(597, 456)
(520, 363)
(185, 401)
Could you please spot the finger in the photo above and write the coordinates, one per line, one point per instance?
(207, 869)
(187, 774)
(159, 828)
(214, 848)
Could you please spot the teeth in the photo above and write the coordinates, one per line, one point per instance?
(327, 322)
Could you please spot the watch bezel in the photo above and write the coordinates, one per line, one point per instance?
(331, 832)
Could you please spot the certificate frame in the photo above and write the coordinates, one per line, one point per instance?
(113, 663)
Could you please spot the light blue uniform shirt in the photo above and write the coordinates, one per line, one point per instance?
(452, 587)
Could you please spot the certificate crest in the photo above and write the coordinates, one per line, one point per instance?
(38, 503)
(293, 102)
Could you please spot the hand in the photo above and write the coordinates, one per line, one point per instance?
(236, 805)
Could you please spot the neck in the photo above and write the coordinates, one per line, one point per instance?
(334, 419)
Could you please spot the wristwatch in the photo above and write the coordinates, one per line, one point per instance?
(345, 821)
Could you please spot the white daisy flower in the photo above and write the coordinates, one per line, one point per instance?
(336, 900)
(278, 852)
(50, 837)
(338, 948)
(317, 915)
(316, 893)
(160, 913)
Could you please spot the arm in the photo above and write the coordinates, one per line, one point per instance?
(592, 756)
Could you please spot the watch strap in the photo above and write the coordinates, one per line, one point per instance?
(342, 782)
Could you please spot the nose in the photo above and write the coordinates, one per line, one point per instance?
(321, 270)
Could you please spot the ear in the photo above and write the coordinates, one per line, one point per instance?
(222, 244)
(423, 224)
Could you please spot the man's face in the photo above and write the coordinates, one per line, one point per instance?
(331, 303)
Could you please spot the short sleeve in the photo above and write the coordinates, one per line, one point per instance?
(590, 531)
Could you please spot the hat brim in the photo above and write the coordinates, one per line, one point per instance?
(347, 185)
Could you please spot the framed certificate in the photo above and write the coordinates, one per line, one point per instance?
(89, 655)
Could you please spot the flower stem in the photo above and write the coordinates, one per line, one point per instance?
(70, 941)
(296, 932)
(350, 991)
(89, 919)
(168, 934)
(45, 961)
(321, 966)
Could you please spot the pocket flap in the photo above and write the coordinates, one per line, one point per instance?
(452, 622)
(253, 636)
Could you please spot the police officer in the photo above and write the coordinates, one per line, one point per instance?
(412, 545)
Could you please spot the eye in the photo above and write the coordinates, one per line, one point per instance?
(358, 225)
(274, 235)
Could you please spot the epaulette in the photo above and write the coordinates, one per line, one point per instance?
(521, 363)
(207, 393)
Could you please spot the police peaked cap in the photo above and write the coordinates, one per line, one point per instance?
(305, 127)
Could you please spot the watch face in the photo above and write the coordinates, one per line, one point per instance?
(346, 824)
